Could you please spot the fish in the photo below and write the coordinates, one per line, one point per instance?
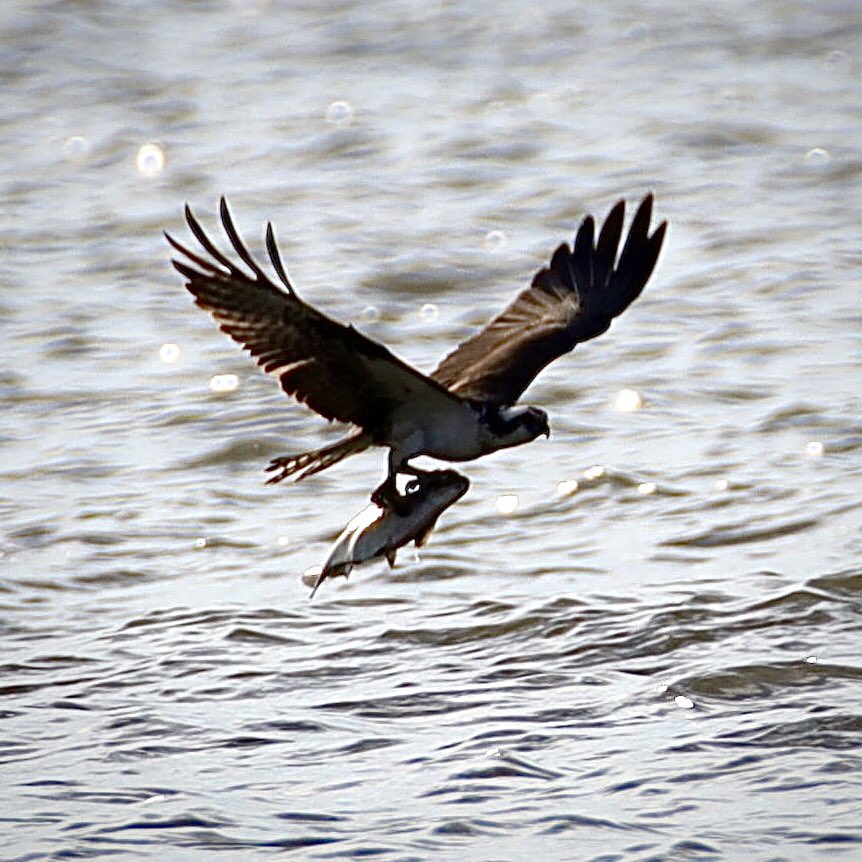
(380, 531)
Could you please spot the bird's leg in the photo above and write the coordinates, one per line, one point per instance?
(386, 495)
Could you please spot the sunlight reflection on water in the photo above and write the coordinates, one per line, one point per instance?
(650, 618)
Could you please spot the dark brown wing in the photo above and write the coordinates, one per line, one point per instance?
(338, 372)
(570, 301)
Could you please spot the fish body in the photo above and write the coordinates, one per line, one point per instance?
(379, 532)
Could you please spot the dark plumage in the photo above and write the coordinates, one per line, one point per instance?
(335, 370)
(572, 300)
(463, 409)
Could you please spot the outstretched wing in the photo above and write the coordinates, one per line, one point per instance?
(335, 370)
(570, 301)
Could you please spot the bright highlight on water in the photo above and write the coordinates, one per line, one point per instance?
(150, 160)
(507, 503)
(628, 401)
(169, 353)
(224, 383)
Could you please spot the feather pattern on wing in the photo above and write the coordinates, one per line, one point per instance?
(335, 370)
(573, 299)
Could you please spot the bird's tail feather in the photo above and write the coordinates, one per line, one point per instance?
(309, 463)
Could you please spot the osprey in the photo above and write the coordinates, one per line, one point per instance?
(462, 410)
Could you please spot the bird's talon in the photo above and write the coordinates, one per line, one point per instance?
(386, 496)
(378, 497)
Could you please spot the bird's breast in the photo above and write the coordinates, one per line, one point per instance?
(456, 435)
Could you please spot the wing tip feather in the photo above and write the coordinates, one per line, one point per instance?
(591, 271)
(275, 259)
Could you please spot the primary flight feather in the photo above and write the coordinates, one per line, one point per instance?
(463, 409)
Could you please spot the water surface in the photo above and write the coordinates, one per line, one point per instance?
(653, 655)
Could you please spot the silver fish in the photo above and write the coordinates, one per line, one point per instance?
(378, 532)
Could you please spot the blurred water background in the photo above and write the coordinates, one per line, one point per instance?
(639, 640)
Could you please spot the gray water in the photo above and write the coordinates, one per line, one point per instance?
(661, 662)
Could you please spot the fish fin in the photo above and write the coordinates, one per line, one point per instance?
(390, 558)
(339, 570)
(320, 579)
(422, 538)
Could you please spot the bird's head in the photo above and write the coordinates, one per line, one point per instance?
(535, 422)
(515, 425)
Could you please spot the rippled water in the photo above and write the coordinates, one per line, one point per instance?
(639, 640)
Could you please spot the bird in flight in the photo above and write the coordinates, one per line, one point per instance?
(463, 409)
